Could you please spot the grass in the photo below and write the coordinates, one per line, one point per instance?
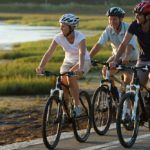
(17, 73)
(62, 8)
(88, 22)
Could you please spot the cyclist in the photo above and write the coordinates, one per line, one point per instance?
(141, 28)
(114, 33)
(76, 59)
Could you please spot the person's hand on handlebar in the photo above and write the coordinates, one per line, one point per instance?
(125, 60)
(112, 64)
(39, 70)
(79, 72)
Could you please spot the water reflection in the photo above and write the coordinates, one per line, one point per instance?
(11, 34)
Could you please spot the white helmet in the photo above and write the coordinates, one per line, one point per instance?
(69, 19)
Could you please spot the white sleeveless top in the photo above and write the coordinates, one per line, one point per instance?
(71, 50)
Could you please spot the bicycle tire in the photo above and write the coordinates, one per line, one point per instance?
(120, 123)
(82, 125)
(102, 117)
(52, 117)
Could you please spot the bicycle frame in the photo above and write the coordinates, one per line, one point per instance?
(58, 87)
(135, 88)
(108, 78)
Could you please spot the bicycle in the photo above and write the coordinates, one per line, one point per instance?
(104, 101)
(52, 117)
(131, 111)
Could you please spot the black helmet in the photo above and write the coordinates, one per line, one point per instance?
(116, 11)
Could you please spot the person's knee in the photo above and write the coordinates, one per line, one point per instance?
(64, 80)
(127, 78)
(143, 78)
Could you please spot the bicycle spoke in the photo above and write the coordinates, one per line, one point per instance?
(52, 122)
(127, 125)
(82, 124)
(101, 111)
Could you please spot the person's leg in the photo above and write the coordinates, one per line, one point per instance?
(73, 81)
(143, 75)
(65, 68)
(74, 88)
(112, 71)
(66, 92)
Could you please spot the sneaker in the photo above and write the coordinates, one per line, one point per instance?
(77, 111)
(128, 123)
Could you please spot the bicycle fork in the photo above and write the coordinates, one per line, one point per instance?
(132, 89)
(136, 101)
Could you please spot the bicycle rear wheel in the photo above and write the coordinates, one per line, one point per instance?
(52, 118)
(83, 123)
(102, 110)
(127, 122)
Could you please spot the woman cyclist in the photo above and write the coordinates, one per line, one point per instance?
(76, 59)
(141, 28)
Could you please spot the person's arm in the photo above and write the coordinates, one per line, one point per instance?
(47, 56)
(96, 48)
(123, 46)
(82, 50)
(127, 53)
(110, 59)
(102, 40)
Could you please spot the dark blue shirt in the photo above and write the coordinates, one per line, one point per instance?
(143, 40)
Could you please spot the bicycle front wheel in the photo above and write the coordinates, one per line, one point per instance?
(83, 123)
(102, 110)
(127, 121)
(52, 118)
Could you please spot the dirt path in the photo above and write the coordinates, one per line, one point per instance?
(20, 121)
(20, 124)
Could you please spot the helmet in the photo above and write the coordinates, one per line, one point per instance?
(116, 11)
(69, 19)
(143, 8)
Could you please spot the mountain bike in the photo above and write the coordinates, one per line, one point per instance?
(52, 117)
(104, 101)
(132, 112)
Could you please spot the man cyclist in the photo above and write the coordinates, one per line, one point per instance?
(114, 33)
(76, 59)
(141, 28)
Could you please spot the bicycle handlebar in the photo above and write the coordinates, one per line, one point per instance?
(48, 73)
(121, 66)
(96, 62)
